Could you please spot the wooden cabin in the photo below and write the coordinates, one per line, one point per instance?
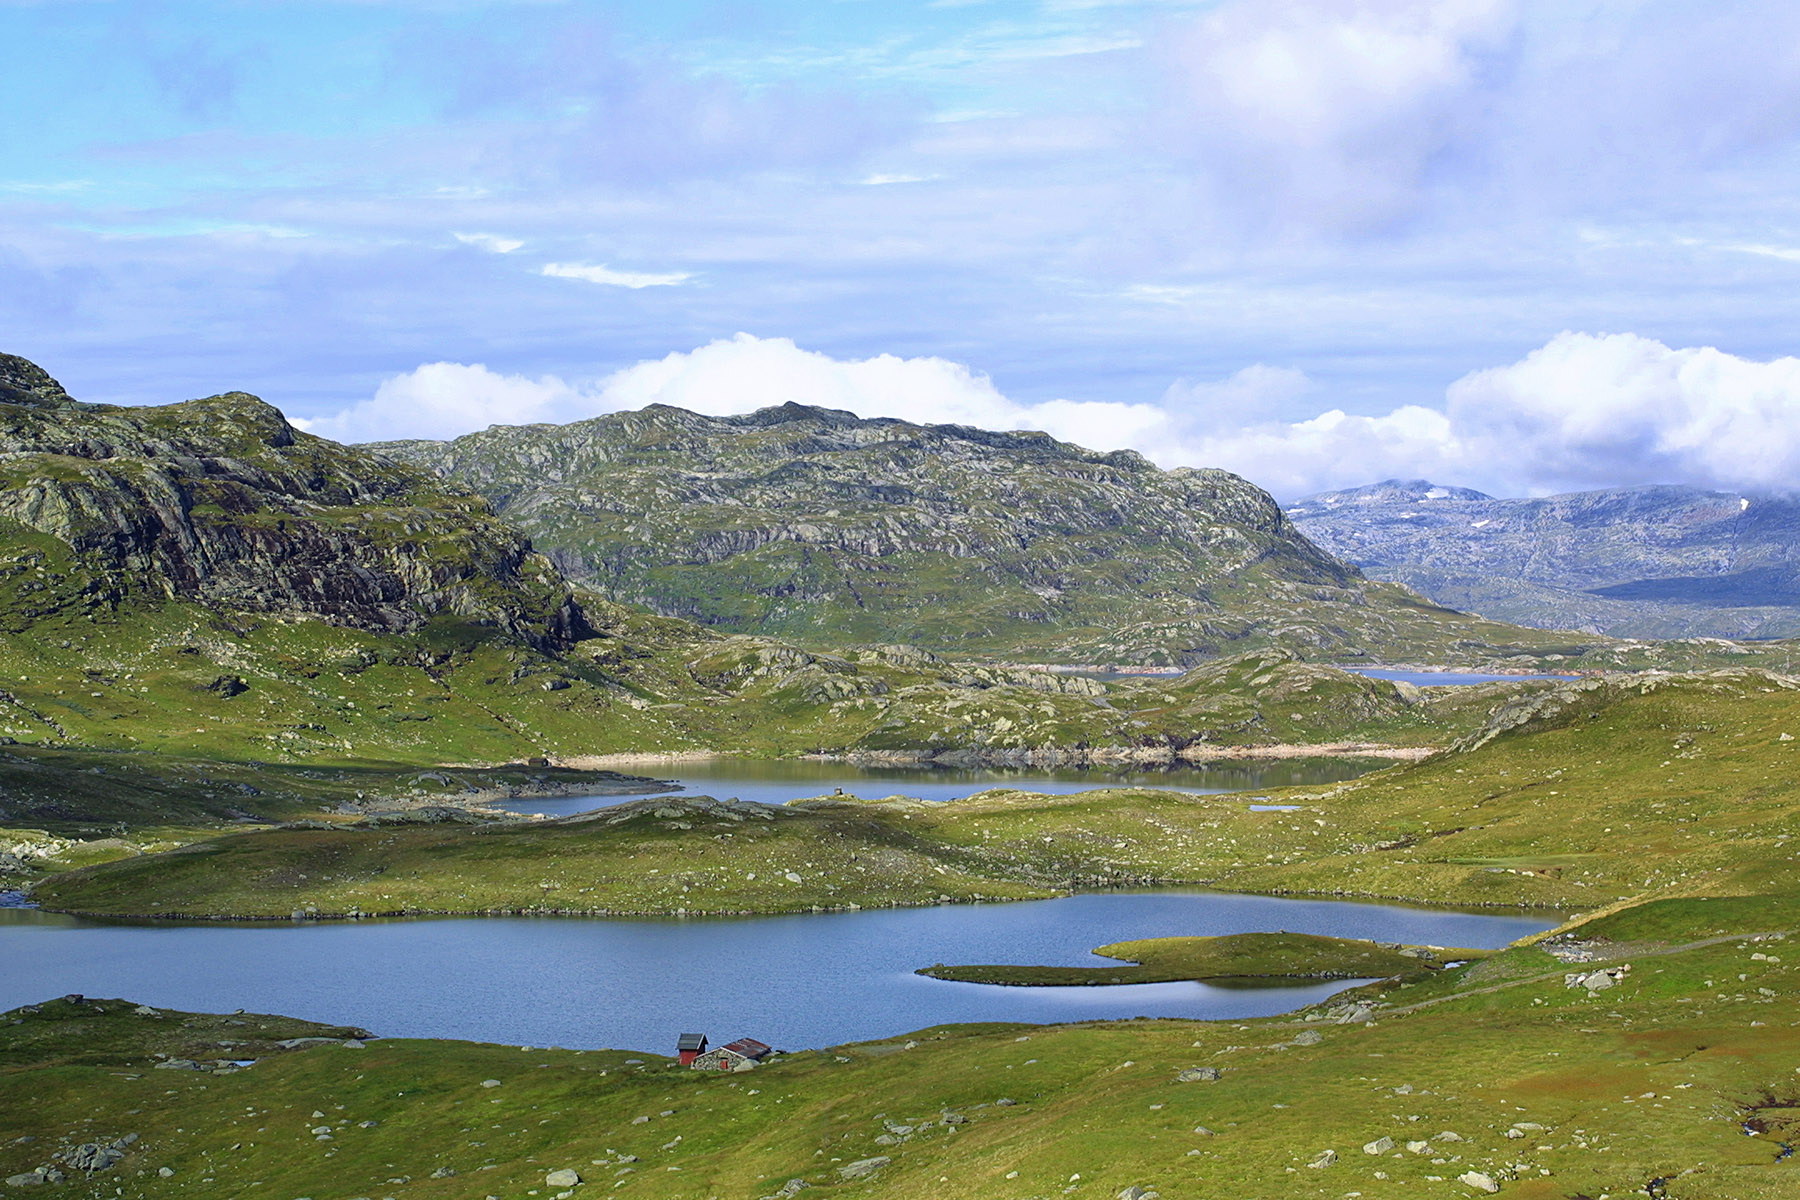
(688, 1047)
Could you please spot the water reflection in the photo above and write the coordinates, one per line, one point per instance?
(777, 782)
(794, 981)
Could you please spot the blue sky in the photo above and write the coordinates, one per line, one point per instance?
(1514, 244)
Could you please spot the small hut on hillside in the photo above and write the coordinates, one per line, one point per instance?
(688, 1047)
(741, 1055)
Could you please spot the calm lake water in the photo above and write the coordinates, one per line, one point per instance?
(793, 981)
(778, 782)
(1445, 678)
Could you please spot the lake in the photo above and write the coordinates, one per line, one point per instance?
(1445, 678)
(778, 781)
(793, 981)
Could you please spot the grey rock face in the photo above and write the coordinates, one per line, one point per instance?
(223, 502)
(826, 528)
(1630, 562)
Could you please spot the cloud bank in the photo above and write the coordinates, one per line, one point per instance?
(1585, 410)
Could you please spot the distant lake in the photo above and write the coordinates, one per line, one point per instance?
(777, 782)
(793, 981)
(1444, 678)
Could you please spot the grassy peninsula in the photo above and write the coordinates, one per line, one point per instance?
(1261, 956)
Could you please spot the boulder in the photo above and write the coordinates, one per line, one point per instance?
(564, 1178)
(1308, 1037)
(1478, 1180)
(862, 1168)
(1325, 1159)
(1380, 1145)
(1198, 1075)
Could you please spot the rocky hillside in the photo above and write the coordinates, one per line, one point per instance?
(223, 503)
(1653, 562)
(817, 525)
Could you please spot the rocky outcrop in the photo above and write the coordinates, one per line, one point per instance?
(826, 528)
(223, 502)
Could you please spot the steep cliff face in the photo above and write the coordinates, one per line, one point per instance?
(222, 502)
(819, 525)
(1637, 562)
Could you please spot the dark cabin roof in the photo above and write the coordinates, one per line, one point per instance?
(690, 1041)
(748, 1047)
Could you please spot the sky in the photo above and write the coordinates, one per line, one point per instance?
(1521, 245)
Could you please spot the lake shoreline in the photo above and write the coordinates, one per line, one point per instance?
(1176, 886)
(1109, 756)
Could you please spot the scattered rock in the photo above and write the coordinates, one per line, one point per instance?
(862, 1168)
(1478, 1180)
(1308, 1037)
(1597, 981)
(1356, 1015)
(490, 1083)
(1418, 1147)
(562, 1179)
(1198, 1075)
(1134, 1192)
(166, 1172)
(1380, 1145)
(443, 1173)
(1325, 1159)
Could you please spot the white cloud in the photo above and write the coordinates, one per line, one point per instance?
(444, 399)
(606, 275)
(493, 243)
(1623, 409)
(745, 373)
(1328, 112)
(1582, 411)
(1347, 115)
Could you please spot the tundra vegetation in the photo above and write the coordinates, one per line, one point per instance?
(208, 619)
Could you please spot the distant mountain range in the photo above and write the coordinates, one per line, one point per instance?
(826, 528)
(1645, 562)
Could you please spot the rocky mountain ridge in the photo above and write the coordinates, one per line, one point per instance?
(220, 501)
(1654, 562)
(830, 529)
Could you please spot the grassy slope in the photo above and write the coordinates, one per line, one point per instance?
(1647, 1081)
(1679, 786)
(1651, 1080)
